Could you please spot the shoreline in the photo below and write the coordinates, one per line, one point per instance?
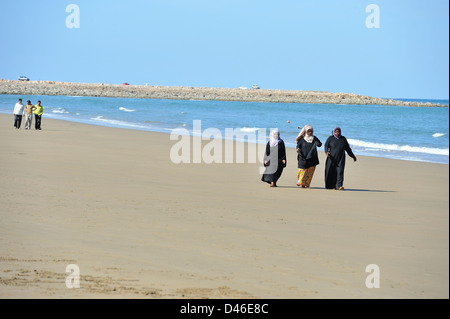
(14, 87)
(289, 145)
(139, 226)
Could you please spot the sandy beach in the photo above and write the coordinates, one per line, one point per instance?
(138, 226)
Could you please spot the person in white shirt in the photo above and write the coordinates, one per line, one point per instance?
(18, 113)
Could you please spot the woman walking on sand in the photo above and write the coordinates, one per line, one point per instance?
(335, 148)
(274, 159)
(307, 156)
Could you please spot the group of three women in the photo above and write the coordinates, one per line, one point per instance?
(335, 147)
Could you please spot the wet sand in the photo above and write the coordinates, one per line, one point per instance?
(138, 226)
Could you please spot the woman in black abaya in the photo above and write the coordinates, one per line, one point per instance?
(274, 159)
(307, 156)
(335, 148)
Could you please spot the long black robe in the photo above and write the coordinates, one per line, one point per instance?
(275, 156)
(307, 154)
(335, 164)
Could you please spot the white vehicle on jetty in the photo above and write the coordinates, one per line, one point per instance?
(255, 87)
(23, 78)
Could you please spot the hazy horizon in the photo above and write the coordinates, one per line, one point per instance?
(381, 49)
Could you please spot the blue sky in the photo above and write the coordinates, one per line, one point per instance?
(295, 45)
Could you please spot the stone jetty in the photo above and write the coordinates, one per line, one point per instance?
(194, 93)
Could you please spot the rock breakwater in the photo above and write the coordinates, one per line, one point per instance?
(194, 93)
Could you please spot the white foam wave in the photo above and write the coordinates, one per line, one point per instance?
(399, 148)
(126, 110)
(60, 110)
(438, 134)
(117, 123)
(249, 129)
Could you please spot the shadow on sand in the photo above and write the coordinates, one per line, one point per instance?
(345, 190)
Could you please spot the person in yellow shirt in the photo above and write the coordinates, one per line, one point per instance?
(39, 110)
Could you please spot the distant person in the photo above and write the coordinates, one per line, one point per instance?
(29, 115)
(335, 148)
(18, 113)
(274, 159)
(39, 110)
(307, 156)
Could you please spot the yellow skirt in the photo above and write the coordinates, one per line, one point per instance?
(305, 176)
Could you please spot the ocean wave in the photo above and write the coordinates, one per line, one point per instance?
(126, 110)
(249, 129)
(438, 134)
(398, 148)
(60, 110)
(118, 123)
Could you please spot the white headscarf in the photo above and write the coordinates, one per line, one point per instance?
(305, 136)
(274, 142)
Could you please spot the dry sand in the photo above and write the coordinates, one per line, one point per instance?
(138, 226)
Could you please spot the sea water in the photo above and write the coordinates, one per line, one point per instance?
(399, 132)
